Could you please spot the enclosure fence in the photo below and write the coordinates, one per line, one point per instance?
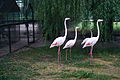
(17, 34)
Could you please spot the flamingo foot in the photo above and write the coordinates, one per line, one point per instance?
(61, 64)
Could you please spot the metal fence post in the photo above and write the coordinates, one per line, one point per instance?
(33, 32)
(27, 33)
(33, 22)
(9, 37)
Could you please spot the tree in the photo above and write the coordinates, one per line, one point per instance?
(108, 10)
(53, 12)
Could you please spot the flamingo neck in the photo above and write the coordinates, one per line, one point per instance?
(98, 30)
(91, 33)
(75, 34)
(65, 29)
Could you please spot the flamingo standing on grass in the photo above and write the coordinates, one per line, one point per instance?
(93, 40)
(60, 40)
(71, 43)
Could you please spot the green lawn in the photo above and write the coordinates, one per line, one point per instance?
(41, 64)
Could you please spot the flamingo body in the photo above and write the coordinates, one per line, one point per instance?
(58, 42)
(90, 42)
(69, 44)
(86, 39)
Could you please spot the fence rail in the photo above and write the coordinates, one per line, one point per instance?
(15, 34)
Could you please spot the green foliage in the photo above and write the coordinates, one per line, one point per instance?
(109, 11)
(116, 26)
(51, 14)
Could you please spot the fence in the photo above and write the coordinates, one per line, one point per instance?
(17, 34)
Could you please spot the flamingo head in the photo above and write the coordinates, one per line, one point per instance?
(99, 20)
(76, 27)
(51, 46)
(91, 20)
(67, 18)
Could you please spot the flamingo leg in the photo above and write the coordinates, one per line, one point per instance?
(66, 53)
(91, 56)
(70, 52)
(91, 52)
(58, 54)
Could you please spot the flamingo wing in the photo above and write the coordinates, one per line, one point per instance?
(85, 40)
(69, 44)
(58, 42)
(92, 41)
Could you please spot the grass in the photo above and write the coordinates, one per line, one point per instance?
(83, 74)
(41, 64)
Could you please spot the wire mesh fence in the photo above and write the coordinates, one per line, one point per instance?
(16, 36)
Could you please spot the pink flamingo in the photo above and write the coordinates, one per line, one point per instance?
(60, 40)
(71, 43)
(87, 38)
(93, 40)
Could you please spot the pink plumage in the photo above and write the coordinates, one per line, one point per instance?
(60, 40)
(86, 39)
(93, 40)
(71, 43)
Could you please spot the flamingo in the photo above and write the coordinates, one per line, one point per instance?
(71, 43)
(93, 40)
(60, 40)
(87, 38)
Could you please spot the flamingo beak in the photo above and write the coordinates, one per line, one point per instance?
(91, 20)
(51, 46)
(67, 18)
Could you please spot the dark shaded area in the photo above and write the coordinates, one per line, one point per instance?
(17, 26)
(8, 6)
